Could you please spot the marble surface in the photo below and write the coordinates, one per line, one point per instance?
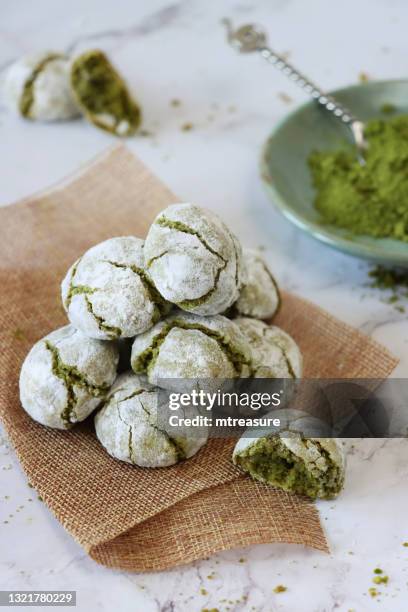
(176, 51)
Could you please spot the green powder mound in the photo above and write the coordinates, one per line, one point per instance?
(103, 95)
(388, 278)
(369, 200)
(270, 461)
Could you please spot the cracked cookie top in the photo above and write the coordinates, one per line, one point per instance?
(259, 296)
(186, 346)
(194, 260)
(128, 427)
(37, 87)
(107, 293)
(65, 376)
(275, 353)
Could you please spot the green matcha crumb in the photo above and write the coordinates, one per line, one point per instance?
(373, 592)
(405, 544)
(241, 560)
(209, 610)
(40, 498)
(285, 98)
(388, 108)
(388, 278)
(187, 127)
(378, 571)
(393, 281)
(363, 77)
(370, 199)
(380, 579)
(280, 588)
(203, 591)
(175, 102)
(19, 334)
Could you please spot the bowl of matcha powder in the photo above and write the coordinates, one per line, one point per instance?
(311, 172)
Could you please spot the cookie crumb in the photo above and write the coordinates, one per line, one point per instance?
(363, 77)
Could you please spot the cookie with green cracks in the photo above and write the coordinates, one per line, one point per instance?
(308, 466)
(103, 95)
(275, 353)
(108, 294)
(37, 87)
(128, 427)
(186, 346)
(65, 376)
(259, 296)
(194, 260)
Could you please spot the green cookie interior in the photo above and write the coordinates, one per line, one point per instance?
(270, 461)
(103, 95)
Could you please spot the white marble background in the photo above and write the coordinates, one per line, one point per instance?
(177, 50)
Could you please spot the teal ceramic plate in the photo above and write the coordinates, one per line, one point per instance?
(286, 175)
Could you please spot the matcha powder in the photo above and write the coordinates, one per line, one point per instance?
(370, 199)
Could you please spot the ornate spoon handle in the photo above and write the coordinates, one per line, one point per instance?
(250, 38)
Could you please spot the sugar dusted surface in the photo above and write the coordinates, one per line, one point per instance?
(259, 296)
(118, 295)
(52, 97)
(44, 395)
(204, 265)
(127, 426)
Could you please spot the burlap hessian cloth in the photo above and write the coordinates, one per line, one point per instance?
(124, 516)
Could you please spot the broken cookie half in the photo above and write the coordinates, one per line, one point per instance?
(307, 466)
(102, 94)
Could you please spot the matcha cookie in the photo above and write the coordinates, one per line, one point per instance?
(194, 260)
(186, 346)
(65, 377)
(107, 293)
(275, 353)
(259, 297)
(37, 87)
(308, 466)
(102, 94)
(128, 429)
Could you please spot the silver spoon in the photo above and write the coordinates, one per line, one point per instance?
(251, 38)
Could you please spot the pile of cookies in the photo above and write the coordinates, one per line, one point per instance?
(185, 303)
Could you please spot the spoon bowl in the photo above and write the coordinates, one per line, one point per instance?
(308, 128)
